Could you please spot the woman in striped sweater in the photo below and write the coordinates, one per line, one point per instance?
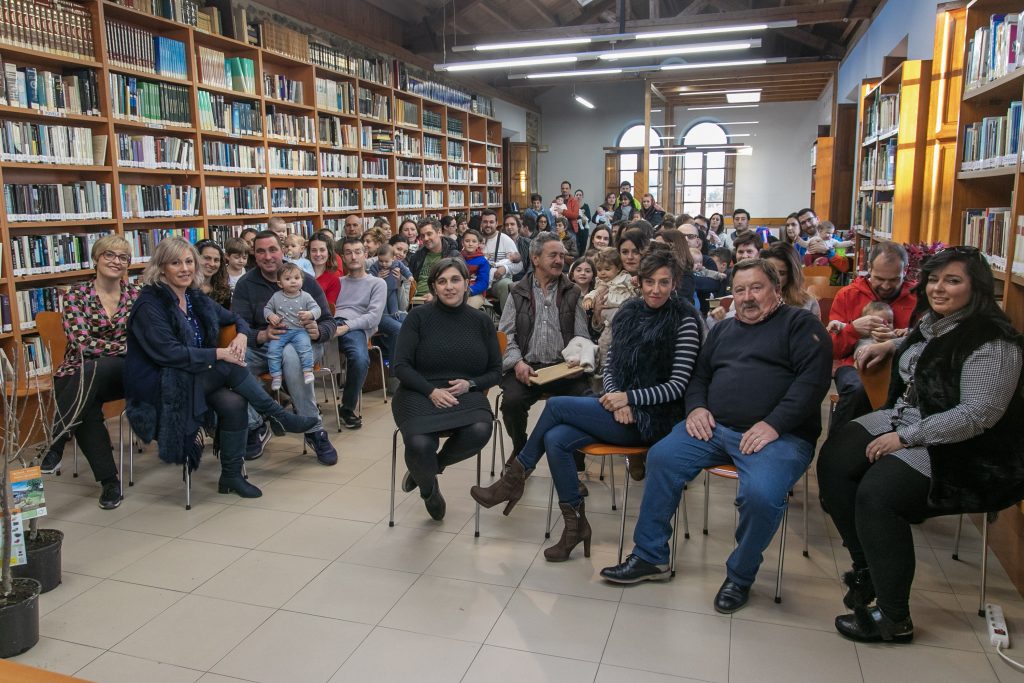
(655, 340)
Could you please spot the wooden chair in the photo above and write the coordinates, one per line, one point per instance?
(821, 291)
(816, 281)
(818, 271)
(499, 433)
(50, 326)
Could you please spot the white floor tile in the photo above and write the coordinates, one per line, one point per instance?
(324, 538)
(111, 667)
(243, 527)
(463, 610)
(262, 578)
(58, 655)
(390, 656)
(769, 653)
(487, 560)
(500, 665)
(353, 592)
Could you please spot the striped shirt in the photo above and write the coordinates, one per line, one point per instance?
(684, 358)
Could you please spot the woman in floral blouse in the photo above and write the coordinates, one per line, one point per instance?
(95, 321)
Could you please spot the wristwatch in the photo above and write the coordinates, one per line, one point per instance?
(472, 385)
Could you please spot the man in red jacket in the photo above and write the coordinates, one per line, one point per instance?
(887, 265)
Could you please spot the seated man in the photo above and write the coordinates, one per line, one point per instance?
(887, 265)
(544, 312)
(434, 247)
(768, 434)
(502, 254)
(357, 313)
(252, 292)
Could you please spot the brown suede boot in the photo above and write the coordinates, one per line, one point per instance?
(508, 488)
(576, 529)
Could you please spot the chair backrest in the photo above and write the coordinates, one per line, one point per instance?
(820, 291)
(825, 305)
(227, 334)
(816, 281)
(818, 271)
(50, 325)
(502, 342)
(876, 383)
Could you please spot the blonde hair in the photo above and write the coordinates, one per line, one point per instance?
(109, 243)
(171, 249)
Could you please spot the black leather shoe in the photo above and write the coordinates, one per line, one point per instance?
(435, 504)
(408, 483)
(870, 625)
(861, 591)
(635, 570)
(731, 597)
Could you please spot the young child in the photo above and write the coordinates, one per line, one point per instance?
(722, 258)
(478, 266)
(826, 236)
(617, 284)
(237, 251)
(557, 206)
(879, 309)
(294, 248)
(396, 275)
(290, 307)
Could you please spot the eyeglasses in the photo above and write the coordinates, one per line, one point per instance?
(111, 256)
(691, 235)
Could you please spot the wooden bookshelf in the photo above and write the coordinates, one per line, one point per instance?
(478, 136)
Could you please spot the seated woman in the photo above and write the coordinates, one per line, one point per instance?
(320, 252)
(447, 357)
(214, 264)
(179, 377)
(948, 440)
(791, 274)
(655, 340)
(95, 322)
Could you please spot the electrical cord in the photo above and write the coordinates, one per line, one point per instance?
(1012, 662)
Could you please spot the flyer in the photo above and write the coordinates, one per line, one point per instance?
(27, 495)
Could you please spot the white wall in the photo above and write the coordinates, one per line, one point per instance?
(513, 120)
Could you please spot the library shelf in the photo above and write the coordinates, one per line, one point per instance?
(147, 75)
(288, 104)
(154, 125)
(185, 172)
(409, 126)
(1017, 279)
(229, 92)
(1005, 87)
(45, 166)
(235, 174)
(987, 173)
(198, 218)
(42, 57)
(224, 135)
(291, 142)
(70, 223)
(7, 110)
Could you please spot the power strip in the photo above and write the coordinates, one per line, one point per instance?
(998, 635)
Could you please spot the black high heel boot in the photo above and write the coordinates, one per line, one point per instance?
(281, 420)
(232, 450)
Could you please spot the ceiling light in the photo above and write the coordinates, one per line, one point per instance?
(707, 31)
(655, 111)
(678, 50)
(684, 91)
(724, 106)
(564, 74)
(743, 123)
(585, 102)
(712, 65)
(666, 126)
(737, 135)
(504, 63)
(741, 97)
(522, 44)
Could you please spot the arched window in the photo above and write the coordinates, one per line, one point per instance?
(704, 179)
(630, 157)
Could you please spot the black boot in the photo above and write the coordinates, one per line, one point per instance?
(871, 625)
(435, 504)
(232, 450)
(281, 420)
(861, 591)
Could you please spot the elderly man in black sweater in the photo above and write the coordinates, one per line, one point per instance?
(754, 401)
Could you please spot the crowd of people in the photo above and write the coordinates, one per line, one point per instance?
(669, 318)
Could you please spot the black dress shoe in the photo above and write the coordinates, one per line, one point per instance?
(635, 570)
(435, 504)
(731, 597)
(408, 483)
(861, 591)
(870, 625)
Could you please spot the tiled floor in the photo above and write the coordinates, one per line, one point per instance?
(309, 583)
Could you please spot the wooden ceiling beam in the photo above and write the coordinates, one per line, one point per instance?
(592, 12)
(823, 45)
(494, 14)
(544, 12)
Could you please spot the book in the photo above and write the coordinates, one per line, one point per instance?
(554, 373)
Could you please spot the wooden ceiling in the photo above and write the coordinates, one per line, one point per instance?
(790, 82)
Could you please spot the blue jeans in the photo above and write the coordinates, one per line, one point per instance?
(765, 479)
(389, 327)
(298, 339)
(352, 345)
(567, 424)
(303, 399)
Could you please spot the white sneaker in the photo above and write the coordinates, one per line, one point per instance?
(275, 383)
(308, 377)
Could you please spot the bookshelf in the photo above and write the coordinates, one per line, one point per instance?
(890, 166)
(169, 129)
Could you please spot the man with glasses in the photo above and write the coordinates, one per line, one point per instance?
(809, 228)
(708, 281)
(887, 265)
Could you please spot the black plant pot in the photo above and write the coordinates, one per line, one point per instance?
(43, 559)
(19, 618)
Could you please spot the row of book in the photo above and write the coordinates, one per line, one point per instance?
(376, 139)
(994, 141)
(456, 128)
(220, 114)
(445, 94)
(230, 201)
(407, 198)
(989, 230)
(46, 254)
(878, 166)
(339, 96)
(6, 322)
(407, 113)
(334, 165)
(456, 151)
(144, 241)
(231, 73)
(376, 167)
(377, 69)
(456, 197)
(71, 91)
(287, 161)
(161, 103)
(281, 87)
(62, 27)
(43, 143)
(84, 200)
(433, 147)
(433, 173)
(155, 151)
(476, 198)
(30, 303)
(432, 121)
(340, 199)
(408, 170)
(374, 105)
(493, 196)
(493, 177)
(882, 224)
(883, 116)
(493, 156)
(458, 174)
(232, 157)
(293, 199)
(290, 127)
(408, 145)
(181, 11)
(336, 133)
(994, 50)
(142, 50)
(433, 199)
(375, 198)
(159, 201)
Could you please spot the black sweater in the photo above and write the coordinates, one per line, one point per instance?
(777, 371)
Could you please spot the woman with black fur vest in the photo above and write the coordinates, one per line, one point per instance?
(176, 378)
(948, 440)
(655, 341)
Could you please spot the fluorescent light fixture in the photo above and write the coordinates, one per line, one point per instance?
(714, 65)
(584, 101)
(742, 97)
(686, 92)
(712, 30)
(724, 106)
(655, 111)
(505, 63)
(742, 123)
(678, 50)
(665, 126)
(522, 44)
(570, 74)
(736, 135)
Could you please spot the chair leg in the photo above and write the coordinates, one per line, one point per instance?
(384, 378)
(675, 534)
(394, 466)
(611, 470)
(686, 519)
(807, 485)
(120, 464)
(956, 543)
(188, 487)
(984, 567)
(551, 507)
(707, 498)
(74, 474)
(494, 444)
(479, 466)
(782, 553)
(600, 475)
(625, 504)
(337, 400)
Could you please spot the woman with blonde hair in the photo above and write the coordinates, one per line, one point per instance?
(181, 378)
(95, 321)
